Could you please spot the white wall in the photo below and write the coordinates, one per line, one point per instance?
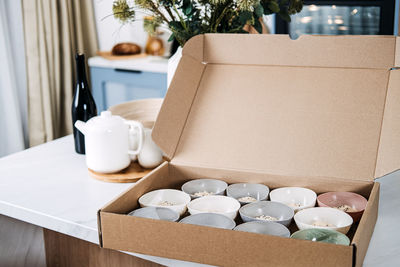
(110, 31)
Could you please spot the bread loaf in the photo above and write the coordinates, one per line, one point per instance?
(126, 49)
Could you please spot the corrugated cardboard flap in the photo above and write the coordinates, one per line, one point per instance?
(172, 116)
(389, 149)
(354, 51)
(308, 107)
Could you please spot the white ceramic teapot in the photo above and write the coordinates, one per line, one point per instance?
(107, 142)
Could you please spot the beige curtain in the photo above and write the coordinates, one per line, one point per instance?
(54, 31)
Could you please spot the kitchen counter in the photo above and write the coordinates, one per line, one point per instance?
(49, 186)
(148, 64)
(118, 81)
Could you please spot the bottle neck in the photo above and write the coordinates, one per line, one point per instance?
(80, 69)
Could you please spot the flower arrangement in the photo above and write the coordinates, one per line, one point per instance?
(187, 18)
(150, 25)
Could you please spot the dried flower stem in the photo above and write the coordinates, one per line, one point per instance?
(170, 13)
(220, 18)
(187, 18)
(156, 10)
(180, 17)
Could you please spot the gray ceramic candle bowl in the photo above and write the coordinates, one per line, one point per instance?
(267, 211)
(211, 220)
(266, 228)
(204, 187)
(246, 193)
(164, 214)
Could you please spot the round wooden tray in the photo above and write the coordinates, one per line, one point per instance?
(108, 55)
(129, 175)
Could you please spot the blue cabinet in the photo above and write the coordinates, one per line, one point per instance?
(113, 85)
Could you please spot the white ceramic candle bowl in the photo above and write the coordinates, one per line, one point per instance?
(215, 204)
(210, 220)
(166, 198)
(244, 191)
(266, 228)
(203, 187)
(156, 213)
(297, 198)
(267, 211)
(323, 218)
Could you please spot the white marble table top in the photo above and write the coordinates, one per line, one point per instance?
(49, 186)
(149, 64)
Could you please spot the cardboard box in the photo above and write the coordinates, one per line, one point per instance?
(320, 112)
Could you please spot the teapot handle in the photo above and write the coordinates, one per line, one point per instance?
(140, 131)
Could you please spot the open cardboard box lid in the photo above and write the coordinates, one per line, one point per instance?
(318, 106)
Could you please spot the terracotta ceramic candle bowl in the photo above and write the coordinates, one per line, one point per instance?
(351, 203)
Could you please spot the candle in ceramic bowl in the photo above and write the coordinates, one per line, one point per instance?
(247, 193)
(167, 198)
(325, 218)
(204, 187)
(297, 198)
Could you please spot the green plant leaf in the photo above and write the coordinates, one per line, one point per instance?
(245, 17)
(207, 16)
(257, 25)
(175, 26)
(273, 6)
(187, 7)
(285, 16)
(259, 10)
(171, 37)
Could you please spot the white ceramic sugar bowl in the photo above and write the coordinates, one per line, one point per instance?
(151, 155)
(107, 141)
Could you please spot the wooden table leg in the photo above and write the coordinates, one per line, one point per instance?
(63, 250)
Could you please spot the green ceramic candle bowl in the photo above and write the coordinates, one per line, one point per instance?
(322, 235)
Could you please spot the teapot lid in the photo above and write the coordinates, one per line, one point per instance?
(106, 121)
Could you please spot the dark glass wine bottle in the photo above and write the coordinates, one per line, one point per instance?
(83, 105)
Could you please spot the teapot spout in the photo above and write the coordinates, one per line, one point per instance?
(81, 126)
